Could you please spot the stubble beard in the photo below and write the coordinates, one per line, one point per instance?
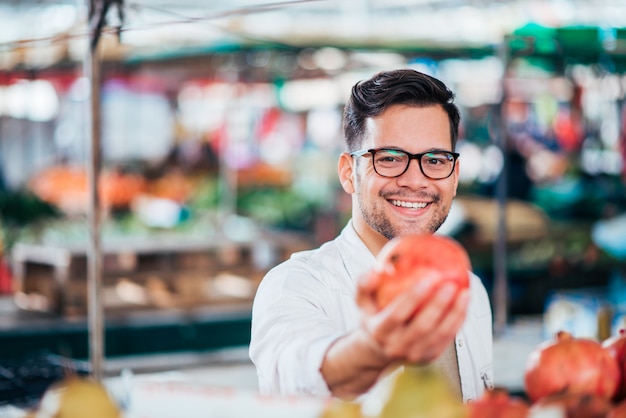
(375, 217)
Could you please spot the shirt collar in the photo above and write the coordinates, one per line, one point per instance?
(357, 258)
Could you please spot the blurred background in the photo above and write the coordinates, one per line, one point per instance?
(220, 132)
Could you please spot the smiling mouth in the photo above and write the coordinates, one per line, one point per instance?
(410, 205)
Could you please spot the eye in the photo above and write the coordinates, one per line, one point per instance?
(390, 156)
(387, 158)
(436, 159)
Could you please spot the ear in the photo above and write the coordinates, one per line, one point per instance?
(345, 169)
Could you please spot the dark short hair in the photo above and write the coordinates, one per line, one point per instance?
(372, 97)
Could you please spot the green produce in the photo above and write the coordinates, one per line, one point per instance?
(422, 392)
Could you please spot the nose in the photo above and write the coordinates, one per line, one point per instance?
(413, 176)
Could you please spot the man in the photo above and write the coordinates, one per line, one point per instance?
(315, 327)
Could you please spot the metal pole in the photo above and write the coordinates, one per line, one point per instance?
(94, 279)
(500, 286)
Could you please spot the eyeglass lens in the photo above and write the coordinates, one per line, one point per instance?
(392, 163)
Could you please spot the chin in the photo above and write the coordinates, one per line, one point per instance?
(430, 228)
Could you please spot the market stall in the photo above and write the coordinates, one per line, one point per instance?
(224, 172)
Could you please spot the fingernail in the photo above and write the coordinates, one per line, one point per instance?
(448, 290)
(463, 295)
(422, 286)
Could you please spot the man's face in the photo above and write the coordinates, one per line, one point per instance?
(383, 208)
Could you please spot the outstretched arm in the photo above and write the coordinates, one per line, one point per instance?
(396, 334)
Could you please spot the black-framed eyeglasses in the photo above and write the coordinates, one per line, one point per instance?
(393, 162)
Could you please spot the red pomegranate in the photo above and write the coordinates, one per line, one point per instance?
(618, 410)
(570, 365)
(404, 261)
(572, 405)
(497, 403)
(616, 346)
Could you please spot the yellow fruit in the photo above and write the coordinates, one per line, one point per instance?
(342, 409)
(422, 392)
(75, 397)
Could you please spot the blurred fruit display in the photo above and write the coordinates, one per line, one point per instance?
(569, 377)
(173, 185)
(572, 405)
(421, 392)
(66, 187)
(571, 365)
(498, 403)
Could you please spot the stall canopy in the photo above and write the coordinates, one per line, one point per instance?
(559, 46)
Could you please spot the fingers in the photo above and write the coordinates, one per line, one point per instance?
(424, 301)
(447, 304)
(444, 326)
(433, 326)
(419, 324)
(401, 310)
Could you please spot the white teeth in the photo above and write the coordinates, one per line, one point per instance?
(412, 205)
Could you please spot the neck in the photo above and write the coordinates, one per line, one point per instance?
(372, 239)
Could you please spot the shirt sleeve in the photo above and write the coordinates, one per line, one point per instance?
(291, 332)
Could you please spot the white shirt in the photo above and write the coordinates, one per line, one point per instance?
(304, 304)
